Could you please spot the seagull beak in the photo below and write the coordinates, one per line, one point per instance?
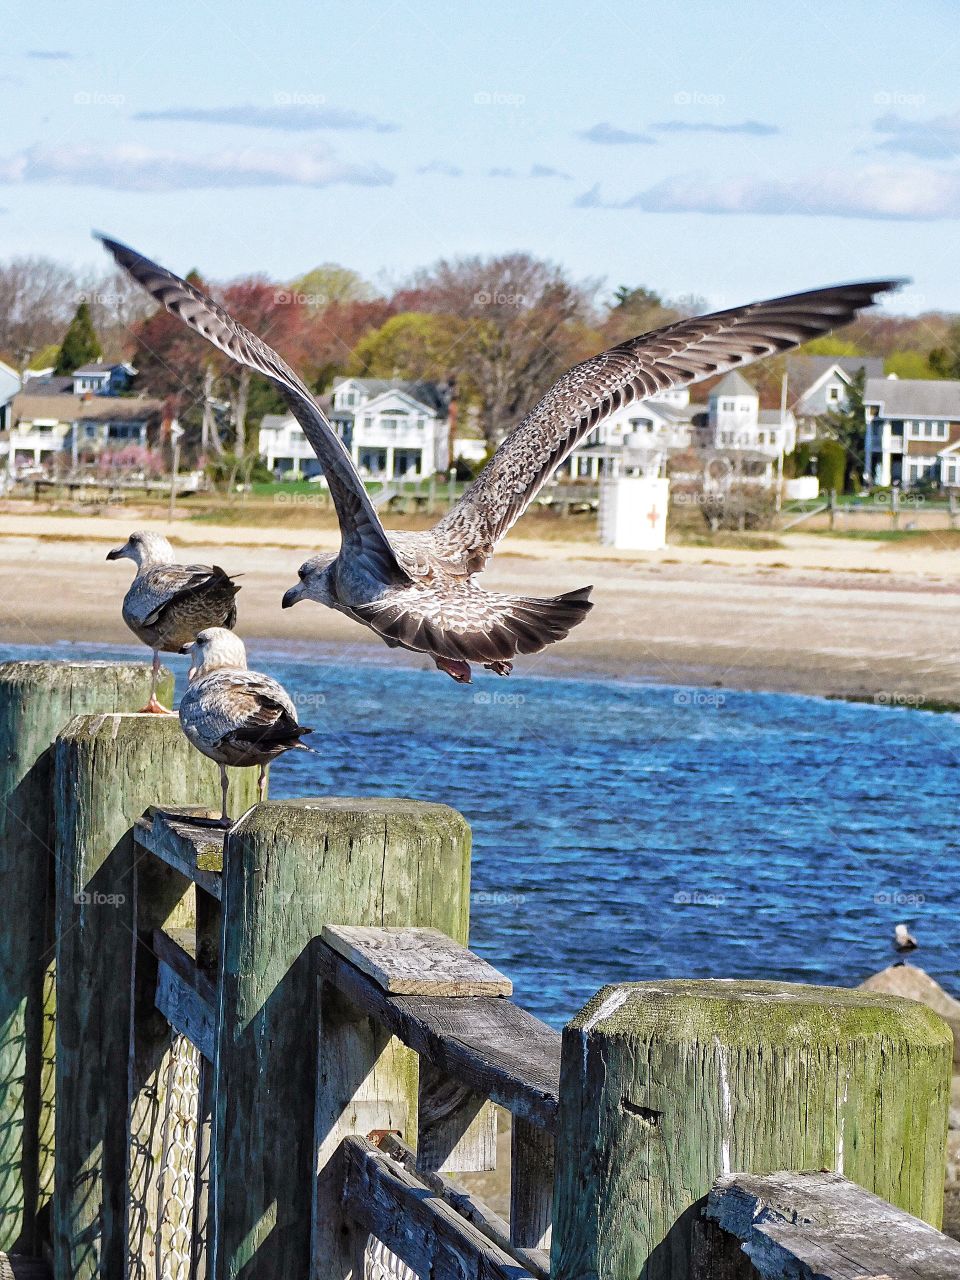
(117, 553)
(292, 597)
(187, 648)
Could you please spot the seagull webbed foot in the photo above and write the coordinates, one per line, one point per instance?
(155, 708)
(456, 668)
(499, 668)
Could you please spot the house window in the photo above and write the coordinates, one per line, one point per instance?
(728, 406)
(833, 393)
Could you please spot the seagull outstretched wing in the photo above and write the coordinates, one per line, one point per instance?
(360, 525)
(674, 356)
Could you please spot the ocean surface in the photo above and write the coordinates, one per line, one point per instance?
(626, 831)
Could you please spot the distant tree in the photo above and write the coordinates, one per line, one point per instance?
(831, 465)
(525, 323)
(829, 345)
(636, 311)
(330, 283)
(847, 426)
(411, 345)
(944, 360)
(909, 364)
(80, 344)
(37, 296)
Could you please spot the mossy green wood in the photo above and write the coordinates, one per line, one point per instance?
(292, 867)
(666, 1085)
(36, 700)
(109, 768)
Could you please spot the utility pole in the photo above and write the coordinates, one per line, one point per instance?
(781, 436)
(176, 432)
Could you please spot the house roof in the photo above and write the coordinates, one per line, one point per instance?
(45, 386)
(97, 366)
(63, 408)
(774, 418)
(734, 384)
(804, 371)
(432, 394)
(914, 397)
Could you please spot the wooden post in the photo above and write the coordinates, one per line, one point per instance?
(108, 769)
(895, 507)
(292, 867)
(667, 1085)
(36, 701)
(531, 1184)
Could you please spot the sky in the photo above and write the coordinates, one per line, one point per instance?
(723, 151)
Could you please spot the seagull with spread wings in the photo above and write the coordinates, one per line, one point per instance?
(418, 590)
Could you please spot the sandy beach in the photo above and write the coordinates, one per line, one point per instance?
(843, 618)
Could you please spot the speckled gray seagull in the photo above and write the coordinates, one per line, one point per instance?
(233, 715)
(417, 590)
(168, 603)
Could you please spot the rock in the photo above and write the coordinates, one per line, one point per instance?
(912, 983)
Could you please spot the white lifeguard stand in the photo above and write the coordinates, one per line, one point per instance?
(633, 512)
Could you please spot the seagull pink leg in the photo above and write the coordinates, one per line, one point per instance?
(224, 788)
(262, 784)
(153, 707)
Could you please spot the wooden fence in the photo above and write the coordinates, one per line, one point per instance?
(273, 1054)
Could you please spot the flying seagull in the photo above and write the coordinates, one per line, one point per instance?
(417, 590)
(235, 716)
(168, 603)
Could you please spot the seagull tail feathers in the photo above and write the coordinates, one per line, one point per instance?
(535, 623)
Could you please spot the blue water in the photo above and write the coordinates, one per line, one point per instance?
(623, 831)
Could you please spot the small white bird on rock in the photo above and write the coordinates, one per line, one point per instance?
(903, 940)
(168, 603)
(235, 716)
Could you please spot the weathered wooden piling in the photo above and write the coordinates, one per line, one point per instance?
(109, 768)
(36, 701)
(667, 1085)
(291, 868)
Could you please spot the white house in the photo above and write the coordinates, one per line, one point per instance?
(735, 420)
(101, 379)
(63, 427)
(9, 386)
(818, 385)
(913, 431)
(394, 430)
(636, 438)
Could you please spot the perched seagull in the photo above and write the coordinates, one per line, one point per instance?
(417, 590)
(235, 716)
(168, 603)
(903, 940)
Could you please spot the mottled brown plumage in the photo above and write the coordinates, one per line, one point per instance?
(168, 603)
(416, 590)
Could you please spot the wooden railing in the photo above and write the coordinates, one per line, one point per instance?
(275, 1054)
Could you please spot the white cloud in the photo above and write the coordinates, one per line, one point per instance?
(50, 55)
(442, 168)
(610, 135)
(874, 192)
(934, 139)
(138, 168)
(753, 128)
(289, 114)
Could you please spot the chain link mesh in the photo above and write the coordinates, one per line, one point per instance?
(177, 1183)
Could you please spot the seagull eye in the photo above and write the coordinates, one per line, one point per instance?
(301, 574)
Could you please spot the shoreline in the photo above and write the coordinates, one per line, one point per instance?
(858, 621)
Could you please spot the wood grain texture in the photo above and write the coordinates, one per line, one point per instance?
(468, 1206)
(19, 1267)
(416, 962)
(420, 1228)
(109, 768)
(36, 701)
(291, 867)
(196, 852)
(667, 1085)
(531, 1184)
(456, 1128)
(184, 993)
(820, 1226)
(487, 1043)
